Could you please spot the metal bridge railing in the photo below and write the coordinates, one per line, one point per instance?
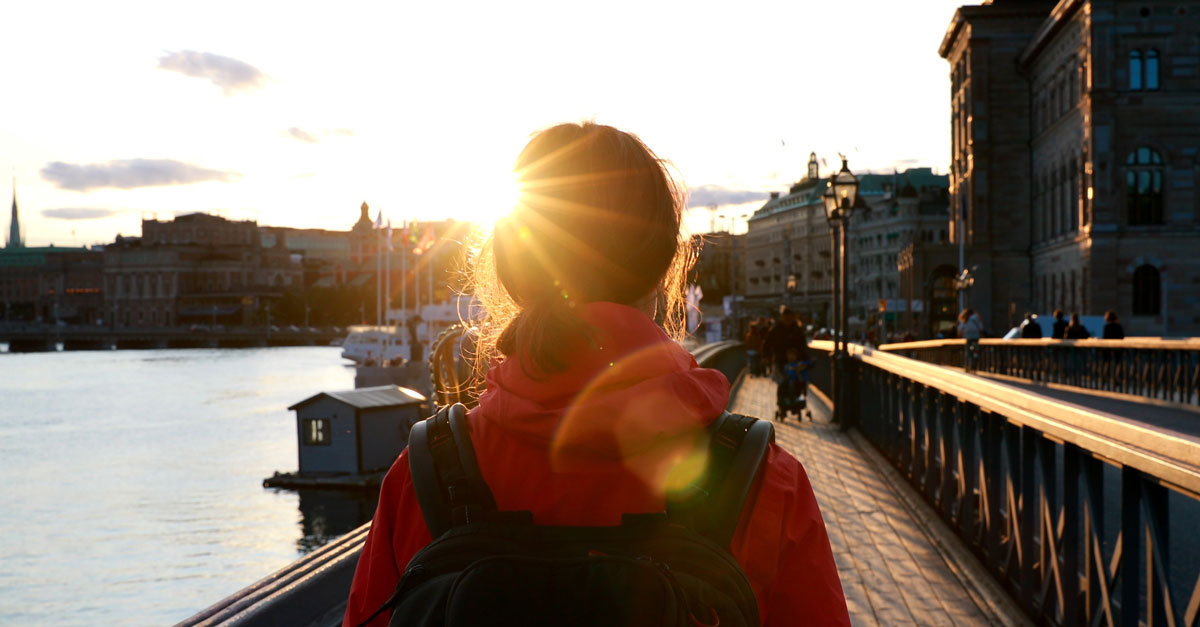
(1083, 517)
(1155, 368)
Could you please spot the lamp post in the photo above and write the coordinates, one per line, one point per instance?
(840, 195)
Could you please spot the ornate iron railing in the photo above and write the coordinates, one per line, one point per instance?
(1084, 518)
(1167, 370)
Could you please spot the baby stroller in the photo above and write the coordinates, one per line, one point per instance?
(792, 394)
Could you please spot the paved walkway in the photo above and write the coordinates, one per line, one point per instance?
(896, 564)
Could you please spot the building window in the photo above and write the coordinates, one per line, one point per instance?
(1135, 70)
(1147, 291)
(316, 432)
(1151, 70)
(1143, 187)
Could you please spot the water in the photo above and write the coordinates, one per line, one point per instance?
(131, 481)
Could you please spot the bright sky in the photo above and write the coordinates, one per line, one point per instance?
(293, 113)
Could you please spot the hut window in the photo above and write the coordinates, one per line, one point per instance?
(316, 432)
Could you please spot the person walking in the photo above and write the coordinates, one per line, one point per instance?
(1030, 328)
(754, 346)
(1060, 326)
(589, 402)
(970, 327)
(1112, 327)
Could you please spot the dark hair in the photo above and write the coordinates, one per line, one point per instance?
(1058, 314)
(966, 314)
(1110, 315)
(598, 220)
(1075, 320)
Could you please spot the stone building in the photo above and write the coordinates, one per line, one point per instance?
(788, 259)
(198, 268)
(51, 284)
(905, 209)
(1075, 158)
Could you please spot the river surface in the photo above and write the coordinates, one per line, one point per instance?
(131, 481)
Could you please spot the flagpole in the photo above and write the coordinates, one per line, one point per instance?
(387, 288)
(404, 278)
(378, 271)
(429, 286)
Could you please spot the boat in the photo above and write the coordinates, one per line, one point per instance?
(390, 343)
(372, 345)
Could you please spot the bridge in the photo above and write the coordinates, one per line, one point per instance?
(1055, 485)
(42, 337)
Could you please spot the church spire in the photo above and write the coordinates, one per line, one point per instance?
(14, 227)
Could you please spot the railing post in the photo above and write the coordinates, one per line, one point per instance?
(1070, 539)
(1158, 597)
(969, 470)
(1131, 540)
(1029, 502)
(1095, 582)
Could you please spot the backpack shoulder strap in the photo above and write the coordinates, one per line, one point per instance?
(445, 473)
(737, 452)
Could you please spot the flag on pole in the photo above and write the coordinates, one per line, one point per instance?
(428, 239)
(389, 235)
(379, 219)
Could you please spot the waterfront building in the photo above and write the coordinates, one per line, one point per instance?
(50, 285)
(1075, 159)
(787, 252)
(788, 257)
(903, 209)
(197, 268)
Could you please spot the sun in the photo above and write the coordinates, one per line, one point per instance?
(494, 198)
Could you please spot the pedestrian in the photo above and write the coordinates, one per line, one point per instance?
(787, 334)
(1060, 326)
(1030, 328)
(754, 345)
(970, 327)
(589, 402)
(1076, 330)
(1112, 326)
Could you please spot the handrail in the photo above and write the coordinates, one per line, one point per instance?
(1189, 344)
(1163, 453)
(1033, 486)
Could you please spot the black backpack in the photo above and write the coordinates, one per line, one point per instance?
(487, 567)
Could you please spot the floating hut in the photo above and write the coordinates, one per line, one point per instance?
(350, 438)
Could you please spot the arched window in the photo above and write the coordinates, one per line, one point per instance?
(1073, 197)
(1152, 69)
(1143, 186)
(1135, 69)
(1147, 291)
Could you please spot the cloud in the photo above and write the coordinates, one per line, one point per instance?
(706, 195)
(129, 174)
(227, 73)
(302, 135)
(344, 132)
(94, 213)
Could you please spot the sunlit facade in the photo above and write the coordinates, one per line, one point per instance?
(1075, 153)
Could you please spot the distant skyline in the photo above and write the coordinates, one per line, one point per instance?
(294, 116)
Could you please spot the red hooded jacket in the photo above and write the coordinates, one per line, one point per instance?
(584, 446)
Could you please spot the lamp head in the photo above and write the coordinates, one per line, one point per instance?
(830, 202)
(845, 188)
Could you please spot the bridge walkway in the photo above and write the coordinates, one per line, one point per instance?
(896, 564)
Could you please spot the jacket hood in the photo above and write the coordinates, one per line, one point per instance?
(629, 395)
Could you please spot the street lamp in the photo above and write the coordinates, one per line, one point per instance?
(839, 199)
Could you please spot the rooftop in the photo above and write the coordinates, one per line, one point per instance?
(369, 398)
